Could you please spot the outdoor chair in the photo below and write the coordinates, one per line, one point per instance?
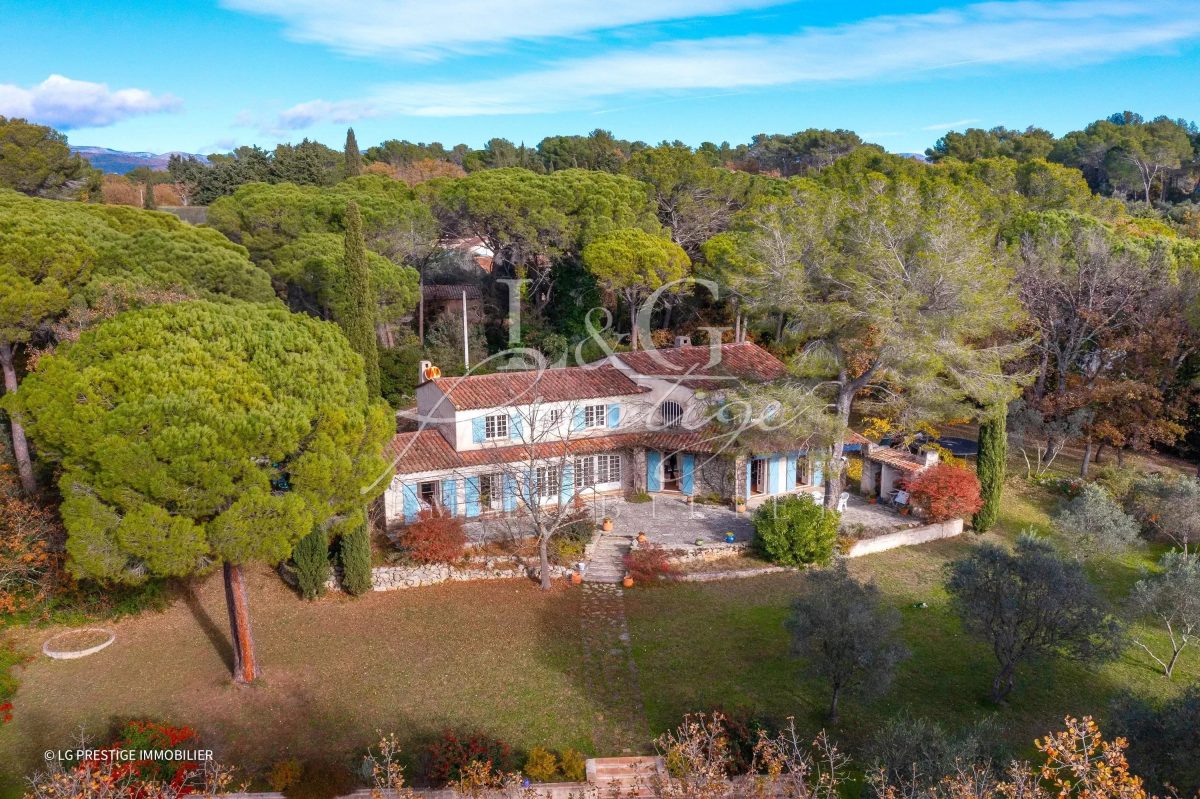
(843, 500)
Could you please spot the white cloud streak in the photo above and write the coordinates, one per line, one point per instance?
(427, 29)
(1025, 33)
(66, 104)
(958, 123)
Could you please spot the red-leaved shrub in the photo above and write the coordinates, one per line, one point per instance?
(648, 563)
(943, 492)
(452, 752)
(435, 537)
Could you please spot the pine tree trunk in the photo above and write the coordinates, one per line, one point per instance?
(20, 445)
(833, 705)
(835, 477)
(544, 562)
(991, 463)
(245, 662)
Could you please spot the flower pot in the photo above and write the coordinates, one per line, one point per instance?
(627, 582)
(699, 542)
(729, 539)
(576, 578)
(606, 526)
(741, 507)
(641, 538)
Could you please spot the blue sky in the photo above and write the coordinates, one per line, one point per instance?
(205, 76)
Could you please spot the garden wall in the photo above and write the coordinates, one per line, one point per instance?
(906, 538)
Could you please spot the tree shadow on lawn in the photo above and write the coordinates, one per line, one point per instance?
(217, 636)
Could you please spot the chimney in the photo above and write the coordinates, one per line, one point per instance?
(683, 341)
(930, 456)
(426, 371)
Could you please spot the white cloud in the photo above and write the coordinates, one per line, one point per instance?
(424, 29)
(1027, 33)
(958, 123)
(64, 103)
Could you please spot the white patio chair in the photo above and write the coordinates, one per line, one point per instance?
(843, 500)
(818, 497)
(901, 499)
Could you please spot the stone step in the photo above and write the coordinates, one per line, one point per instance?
(624, 776)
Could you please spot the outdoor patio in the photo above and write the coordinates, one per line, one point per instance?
(669, 521)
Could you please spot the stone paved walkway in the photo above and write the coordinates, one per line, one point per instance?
(606, 564)
(610, 674)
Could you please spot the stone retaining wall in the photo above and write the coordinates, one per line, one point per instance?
(707, 552)
(397, 578)
(906, 538)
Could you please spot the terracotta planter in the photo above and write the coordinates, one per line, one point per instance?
(606, 526)
(741, 507)
(576, 578)
(641, 538)
(627, 582)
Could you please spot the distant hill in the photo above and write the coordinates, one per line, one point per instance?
(118, 162)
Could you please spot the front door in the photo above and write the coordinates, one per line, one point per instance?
(758, 476)
(671, 472)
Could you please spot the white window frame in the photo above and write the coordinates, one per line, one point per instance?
(585, 472)
(595, 416)
(491, 486)
(547, 482)
(608, 468)
(495, 426)
(554, 418)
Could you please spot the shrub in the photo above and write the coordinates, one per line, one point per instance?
(355, 554)
(311, 556)
(1095, 524)
(541, 765)
(1163, 739)
(448, 756)
(573, 765)
(143, 736)
(285, 774)
(639, 496)
(990, 467)
(435, 537)
(795, 531)
(943, 492)
(648, 563)
(571, 538)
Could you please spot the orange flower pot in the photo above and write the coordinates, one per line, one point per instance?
(641, 538)
(627, 582)
(607, 525)
(576, 578)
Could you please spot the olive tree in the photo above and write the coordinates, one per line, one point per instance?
(846, 635)
(1170, 599)
(1030, 604)
(1095, 524)
(198, 435)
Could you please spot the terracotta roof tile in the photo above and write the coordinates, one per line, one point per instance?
(498, 390)
(897, 460)
(422, 451)
(436, 292)
(694, 366)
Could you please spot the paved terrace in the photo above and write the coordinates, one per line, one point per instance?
(672, 523)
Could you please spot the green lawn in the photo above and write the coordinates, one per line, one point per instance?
(701, 646)
(505, 658)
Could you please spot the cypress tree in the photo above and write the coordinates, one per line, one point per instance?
(356, 560)
(353, 156)
(311, 556)
(359, 319)
(990, 466)
(148, 198)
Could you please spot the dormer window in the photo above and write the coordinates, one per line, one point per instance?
(595, 416)
(496, 426)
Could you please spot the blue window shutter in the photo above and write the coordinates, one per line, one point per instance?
(789, 476)
(614, 415)
(818, 474)
(749, 475)
(653, 470)
(411, 506)
(477, 429)
(567, 488)
(687, 478)
(472, 496)
(515, 430)
(577, 419)
(772, 475)
(450, 496)
(510, 493)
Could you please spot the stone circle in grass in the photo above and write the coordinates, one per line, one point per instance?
(73, 644)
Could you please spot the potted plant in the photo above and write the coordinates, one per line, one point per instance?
(576, 578)
(741, 505)
(688, 499)
(607, 525)
(628, 580)
(699, 542)
(729, 539)
(641, 537)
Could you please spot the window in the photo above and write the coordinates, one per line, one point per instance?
(608, 468)
(597, 470)
(595, 416)
(430, 494)
(496, 426)
(801, 471)
(491, 491)
(670, 415)
(546, 481)
(554, 417)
